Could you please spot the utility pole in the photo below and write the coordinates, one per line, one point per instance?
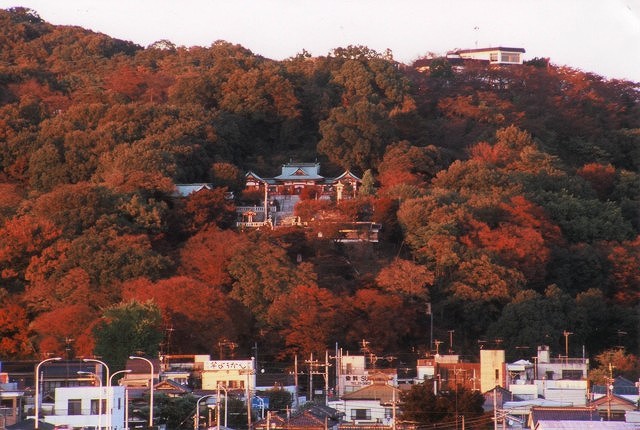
(437, 343)
(311, 362)
(430, 313)
(326, 377)
(393, 411)
(566, 344)
(451, 341)
(314, 367)
(295, 379)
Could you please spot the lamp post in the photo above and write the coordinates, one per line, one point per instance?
(196, 419)
(247, 391)
(95, 375)
(134, 357)
(126, 406)
(37, 394)
(226, 396)
(108, 380)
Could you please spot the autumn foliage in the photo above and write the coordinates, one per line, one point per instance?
(508, 199)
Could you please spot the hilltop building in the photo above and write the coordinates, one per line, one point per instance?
(494, 55)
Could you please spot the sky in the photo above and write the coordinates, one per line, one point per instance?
(599, 36)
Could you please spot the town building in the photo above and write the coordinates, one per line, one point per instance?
(231, 374)
(83, 407)
(563, 379)
(494, 55)
(373, 404)
(448, 372)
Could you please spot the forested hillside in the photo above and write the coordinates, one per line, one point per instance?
(509, 199)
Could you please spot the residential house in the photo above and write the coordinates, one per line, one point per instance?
(184, 369)
(613, 407)
(622, 387)
(544, 413)
(315, 418)
(143, 373)
(358, 371)
(372, 404)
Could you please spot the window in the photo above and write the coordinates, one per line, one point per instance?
(510, 58)
(493, 57)
(95, 406)
(360, 414)
(74, 407)
(572, 374)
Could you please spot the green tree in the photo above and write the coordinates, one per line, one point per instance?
(262, 272)
(421, 405)
(174, 412)
(126, 329)
(355, 136)
(368, 186)
(279, 399)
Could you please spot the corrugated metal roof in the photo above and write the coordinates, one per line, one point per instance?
(582, 425)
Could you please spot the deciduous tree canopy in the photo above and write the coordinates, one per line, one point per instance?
(509, 199)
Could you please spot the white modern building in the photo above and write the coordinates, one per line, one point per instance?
(561, 379)
(89, 407)
(494, 55)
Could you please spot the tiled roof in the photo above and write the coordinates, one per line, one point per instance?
(615, 400)
(306, 419)
(183, 190)
(300, 171)
(29, 424)
(382, 392)
(621, 386)
(345, 174)
(563, 414)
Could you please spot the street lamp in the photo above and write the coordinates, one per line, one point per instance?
(95, 375)
(134, 357)
(37, 395)
(247, 392)
(126, 404)
(226, 396)
(196, 419)
(108, 380)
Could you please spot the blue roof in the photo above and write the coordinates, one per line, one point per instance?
(300, 171)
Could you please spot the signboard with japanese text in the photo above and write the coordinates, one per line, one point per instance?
(228, 365)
